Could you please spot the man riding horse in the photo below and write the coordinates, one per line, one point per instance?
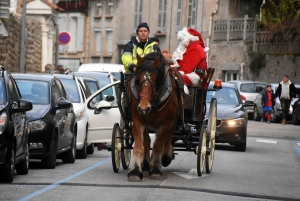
(140, 45)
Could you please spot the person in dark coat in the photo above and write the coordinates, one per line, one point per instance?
(268, 102)
(286, 91)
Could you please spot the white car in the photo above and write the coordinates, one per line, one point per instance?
(102, 67)
(76, 94)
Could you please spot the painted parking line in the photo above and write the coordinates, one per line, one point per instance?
(266, 141)
(54, 185)
(297, 147)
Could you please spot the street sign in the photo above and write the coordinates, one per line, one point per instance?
(64, 38)
(4, 8)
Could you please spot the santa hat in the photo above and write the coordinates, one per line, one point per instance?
(190, 35)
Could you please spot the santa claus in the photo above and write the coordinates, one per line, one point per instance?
(189, 55)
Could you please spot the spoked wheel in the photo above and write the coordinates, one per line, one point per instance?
(201, 151)
(126, 153)
(211, 133)
(116, 148)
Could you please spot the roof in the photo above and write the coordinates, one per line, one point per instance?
(38, 77)
(92, 74)
(62, 76)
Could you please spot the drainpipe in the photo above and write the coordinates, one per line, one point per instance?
(263, 3)
(242, 71)
(210, 24)
(54, 20)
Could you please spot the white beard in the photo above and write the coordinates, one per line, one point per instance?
(178, 53)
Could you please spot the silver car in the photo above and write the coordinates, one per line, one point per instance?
(277, 111)
(249, 90)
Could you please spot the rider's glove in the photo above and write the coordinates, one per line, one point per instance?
(131, 67)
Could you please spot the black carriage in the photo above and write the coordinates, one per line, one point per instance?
(195, 133)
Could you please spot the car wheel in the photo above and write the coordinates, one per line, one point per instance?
(49, 162)
(90, 149)
(294, 118)
(70, 155)
(81, 154)
(8, 169)
(255, 114)
(23, 166)
(242, 146)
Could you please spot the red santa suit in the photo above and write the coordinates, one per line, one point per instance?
(190, 54)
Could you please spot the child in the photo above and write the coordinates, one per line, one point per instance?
(268, 102)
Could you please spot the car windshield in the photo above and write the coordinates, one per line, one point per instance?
(252, 87)
(34, 91)
(226, 96)
(2, 92)
(71, 90)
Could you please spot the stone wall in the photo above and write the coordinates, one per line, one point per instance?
(10, 46)
(229, 56)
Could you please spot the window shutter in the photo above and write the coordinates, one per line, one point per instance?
(80, 33)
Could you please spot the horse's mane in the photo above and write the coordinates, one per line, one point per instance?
(147, 65)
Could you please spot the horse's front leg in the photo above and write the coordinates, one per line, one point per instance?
(145, 165)
(135, 174)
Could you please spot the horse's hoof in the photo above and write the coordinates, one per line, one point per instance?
(166, 160)
(134, 179)
(156, 174)
(135, 175)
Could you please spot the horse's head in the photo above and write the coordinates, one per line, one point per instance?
(150, 75)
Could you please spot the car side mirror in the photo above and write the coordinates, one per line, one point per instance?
(102, 105)
(24, 106)
(63, 104)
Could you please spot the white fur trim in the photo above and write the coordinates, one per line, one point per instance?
(186, 90)
(206, 49)
(193, 77)
(181, 72)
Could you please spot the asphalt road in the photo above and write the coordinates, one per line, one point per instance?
(268, 170)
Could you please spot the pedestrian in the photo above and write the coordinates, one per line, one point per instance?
(140, 45)
(48, 68)
(60, 69)
(286, 91)
(189, 56)
(268, 102)
(67, 71)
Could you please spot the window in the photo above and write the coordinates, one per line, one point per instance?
(230, 75)
(178, 17)
(13, 92)
(109, 35)
(99, 9)
(110, 8)
(98, 41)
(162, 8)
(138, 13)
(191, 18)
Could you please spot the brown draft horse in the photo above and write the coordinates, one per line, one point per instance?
(150, 75)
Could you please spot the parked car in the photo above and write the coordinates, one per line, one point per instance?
(76, 94)
(103, 67)
(232, 118)
(14, 129)
(90, 85)
(52, 119)
(296, 109)
(277, 110)
(249, 90)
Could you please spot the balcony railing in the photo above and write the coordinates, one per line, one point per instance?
(234, 29)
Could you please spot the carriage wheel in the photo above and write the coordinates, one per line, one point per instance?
(201, 151)
(211, 131)
(116, 147)
(126, 153)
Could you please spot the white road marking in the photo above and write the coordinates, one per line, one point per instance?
(298, 143)
(266, 141)
(192, 174)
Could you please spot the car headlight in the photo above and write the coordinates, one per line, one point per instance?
(38, 125)
(3, 122)
(79, 115)
(235, 122)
